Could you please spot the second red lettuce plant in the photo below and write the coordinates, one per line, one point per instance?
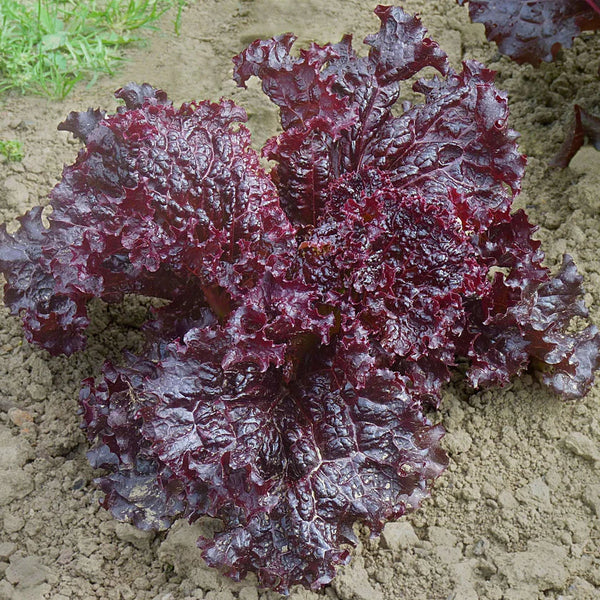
(532, 31)
(314, 311)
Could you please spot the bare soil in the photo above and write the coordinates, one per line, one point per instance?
(517, 514)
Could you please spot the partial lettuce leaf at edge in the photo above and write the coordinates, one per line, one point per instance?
(534, 31)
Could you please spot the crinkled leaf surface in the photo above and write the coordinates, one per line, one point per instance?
(532, 31)
(318, 145)
(288, 467)
(396, 266)
(161, 202)
(313, 312)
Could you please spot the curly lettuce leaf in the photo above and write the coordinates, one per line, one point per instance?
(289, 468)
(534, 31)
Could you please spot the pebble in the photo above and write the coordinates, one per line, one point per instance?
(248, 593)
(33, 164)
(553, 479)
(541, 565)
(591, 496)
(398, 536)
(439, 536)
(585, 161)
(471, 492)
(27, 571)
(13, 523)
(131, 534)
(457, 442)
(7, 549)
(384, 574)
(488, 490)
(352, 583)
(15, 484)
(16, 192)
(15, 451)
(37, 392)
(481, 547)
(507, 500)
(580, 530)
(536, 491)
(20, 418)
(581, 445)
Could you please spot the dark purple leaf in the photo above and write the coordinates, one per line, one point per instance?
(400, 49)
(527, 314)
(532, 31)
(135, 96)
(162, 202)
(81, 124)
(332, 102)
(54, 321)
(289, 468)
(398, 264)
(572, 357)
(312, 312)
(458, 139)
(584, 125)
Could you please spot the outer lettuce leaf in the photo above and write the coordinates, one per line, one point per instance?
(289, 468)
(527, 314)
(161, 202)
(585, 125)
(55, 321)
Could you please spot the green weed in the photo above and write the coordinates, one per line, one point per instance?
(47, 46)
(12, 150)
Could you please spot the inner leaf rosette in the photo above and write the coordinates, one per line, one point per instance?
(395, 265)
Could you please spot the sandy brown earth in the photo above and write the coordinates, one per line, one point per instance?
(516, 516)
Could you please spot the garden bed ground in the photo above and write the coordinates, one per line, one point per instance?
(516, 516)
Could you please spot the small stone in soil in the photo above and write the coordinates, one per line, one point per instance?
(13, 523)
(7, 549)
(26, 571)
(128, 533)
(20, 418)
(398, 536)
(581, 445)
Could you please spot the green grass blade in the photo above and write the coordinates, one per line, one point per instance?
(46, 46)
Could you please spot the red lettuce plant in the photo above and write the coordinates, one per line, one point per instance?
(314, 311)
(584, 125)
(532, 31)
